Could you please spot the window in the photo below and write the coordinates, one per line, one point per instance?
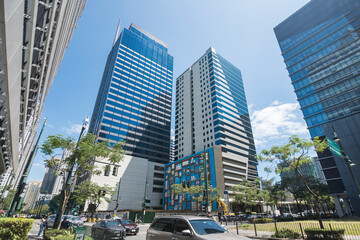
(107, 170)
(180, 226)
(115, 171)
(165, 225)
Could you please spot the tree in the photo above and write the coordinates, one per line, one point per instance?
(291, 156)
(79, 162)
(92, 192)
(275, 195)
(246, 193)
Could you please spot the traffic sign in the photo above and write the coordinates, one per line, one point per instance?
(334, 147)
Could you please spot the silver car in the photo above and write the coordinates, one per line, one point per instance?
(188, 227)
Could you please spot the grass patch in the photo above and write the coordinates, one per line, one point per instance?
(351, 227)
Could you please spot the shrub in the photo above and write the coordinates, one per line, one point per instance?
(263, 220)
(15, 228)
(55, 234)
(286, 233)
(316, 234)
(62, 234)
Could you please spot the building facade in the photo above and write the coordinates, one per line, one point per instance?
(32, 194)
(320, 46)
(190, 171)
(29, 59)
(134, 105)
(211, 110)
(52, 183)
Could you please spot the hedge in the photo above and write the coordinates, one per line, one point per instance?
(286, 233)
(317, 234)
(263, 220)
(62, 234)
(15, 228)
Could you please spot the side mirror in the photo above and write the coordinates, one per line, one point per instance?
(186, 232)
(225, 228)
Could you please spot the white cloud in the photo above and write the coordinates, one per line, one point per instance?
(277, 122)
(73, 128)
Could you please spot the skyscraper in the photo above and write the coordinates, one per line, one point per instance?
(320, 46)
(134, 105)
(32, 194)
(29, 59)
(211, 109)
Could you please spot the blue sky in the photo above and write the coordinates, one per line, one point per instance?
(239, 30)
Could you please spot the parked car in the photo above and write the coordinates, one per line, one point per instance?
(108, 229)
(129, 225)
(186, 227)
(83, 218)
(74, 220)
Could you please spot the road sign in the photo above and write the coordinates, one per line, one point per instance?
(334, 147)
(80, 233)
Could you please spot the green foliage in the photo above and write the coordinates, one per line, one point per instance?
(15, 228)
(291, 156)
(8, 199)
(317, 234)
(55, 234)
(286, 233)
(248, 193)
(80, 160)
(90, 191)
(263, 220)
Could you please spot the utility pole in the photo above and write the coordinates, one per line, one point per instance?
(117, 198)
(206, 191)
(144, 200)
(70, 173)
(18, 198)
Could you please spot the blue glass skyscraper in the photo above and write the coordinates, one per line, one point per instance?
(134, 99)
(134, 105)
(320, 46)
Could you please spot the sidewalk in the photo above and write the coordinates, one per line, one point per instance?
(33, 234)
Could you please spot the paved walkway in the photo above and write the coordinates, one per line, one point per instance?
(33, 234)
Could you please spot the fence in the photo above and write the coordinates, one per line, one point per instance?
(352, 229)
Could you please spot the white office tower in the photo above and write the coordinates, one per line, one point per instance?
(33, 37)
(211, 109)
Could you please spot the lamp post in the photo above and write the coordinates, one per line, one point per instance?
(70, 173)
(206, 191)
(347, 160)
(18, 198)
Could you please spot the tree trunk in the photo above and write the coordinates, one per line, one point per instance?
(316, 198)
(298, 206)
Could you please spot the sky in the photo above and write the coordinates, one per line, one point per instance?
(240, 30)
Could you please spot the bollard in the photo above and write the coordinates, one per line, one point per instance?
(88, 219)
(94, 220)
(255, 229)
(302, 233)
(237, 228)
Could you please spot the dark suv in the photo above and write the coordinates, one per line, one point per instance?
(179, 227)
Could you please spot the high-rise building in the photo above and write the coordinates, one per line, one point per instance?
(29, 59)
(211, 109)
(32, 194)
(134, 105)
(52, 183)
(320, 46)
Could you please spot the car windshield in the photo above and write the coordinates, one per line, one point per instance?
(127, 222)
(75, 219)
(203, 227)
(111, 223)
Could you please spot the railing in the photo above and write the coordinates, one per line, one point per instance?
(352, 229)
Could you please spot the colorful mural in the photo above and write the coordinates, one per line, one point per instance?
(188, 171)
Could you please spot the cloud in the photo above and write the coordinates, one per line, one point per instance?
(73, 129)
(277, 122)
(49, 125)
